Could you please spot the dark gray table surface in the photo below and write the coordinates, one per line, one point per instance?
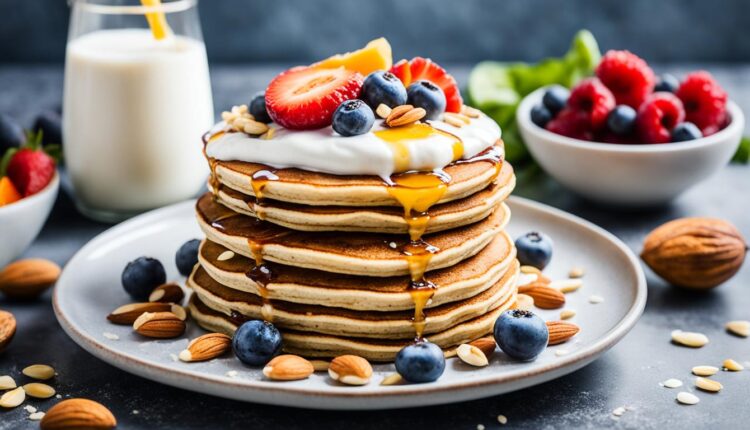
(628, 375)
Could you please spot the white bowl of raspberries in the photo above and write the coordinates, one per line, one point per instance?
(629, 138)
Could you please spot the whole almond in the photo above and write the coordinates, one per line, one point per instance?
(206, 347)
(288, 367)
(350, 370)
(159, 325)
(7, 329)
(486, 345)
(127, 314)
(695, 252)
(27, 279)
(544, 297)
(167, 293)
(561, 331)
(80, 414)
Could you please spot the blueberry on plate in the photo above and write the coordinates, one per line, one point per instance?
(352, 118)
(555, 98)
(256, 342)
(50, 123)
(534, 249)
(521, 334)
(428, 96)
(11, 134)
(686, 131)
(141, 276)
(257, 108)
(187, 256)
(540, 115)
(666, 82)
(383, 87)
(621, 120)
(420, 362)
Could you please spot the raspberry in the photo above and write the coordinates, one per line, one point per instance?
(572, 123)
(705, 102)
(657, 116)
(627, 76)
(593, 99)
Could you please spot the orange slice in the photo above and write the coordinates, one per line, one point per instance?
(376, 55)
(8, 192)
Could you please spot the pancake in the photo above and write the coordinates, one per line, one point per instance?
(291, 185)
(341, 321)
(316, 345)
(365, 254)
(308, 286)
(377, 219)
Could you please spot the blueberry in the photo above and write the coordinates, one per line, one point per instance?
(555, 98)
(50, 123)
(686, 131)
(667, 82)
(257, 108)
(383, 87)
(256, 342)
(141, 276)
(353, 117)
(534, 249)
(187, 256)
(428, 96)
(420, 362)
(621, 120)
(540, 115)
(521, 334)
(11, 134)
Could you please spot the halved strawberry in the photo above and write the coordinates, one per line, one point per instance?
(30, 170)
(304, 98)
(423, 68)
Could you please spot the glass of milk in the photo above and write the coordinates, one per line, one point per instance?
(137, 99)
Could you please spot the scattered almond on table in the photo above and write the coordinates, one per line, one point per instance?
(29, 278)
(691, 339)
(739, 328)
(7, 329)
(78, 414)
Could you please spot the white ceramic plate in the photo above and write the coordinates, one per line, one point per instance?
(89, 289)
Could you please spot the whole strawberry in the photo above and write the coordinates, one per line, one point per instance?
(629, 78)
(31, 170)
(705, 102)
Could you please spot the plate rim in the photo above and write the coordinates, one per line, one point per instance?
(220, 385)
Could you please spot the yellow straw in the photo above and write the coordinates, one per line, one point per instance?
(156, 20)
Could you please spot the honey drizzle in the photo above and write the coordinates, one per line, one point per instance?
(261, 273)
(213, 180)
(259, 181)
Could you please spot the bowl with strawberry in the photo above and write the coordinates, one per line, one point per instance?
(629, 137)
(28, 188)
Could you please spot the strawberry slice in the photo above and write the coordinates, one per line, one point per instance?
(30, 170)
(304, 98)
(419, 68)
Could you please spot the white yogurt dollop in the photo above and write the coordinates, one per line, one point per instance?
(326, 151)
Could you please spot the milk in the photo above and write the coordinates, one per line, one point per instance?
(134, 112)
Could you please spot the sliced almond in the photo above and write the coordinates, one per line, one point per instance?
(350, 370)
(732, 365)
(383, 110)
(470, 111)
(486, 344)
(566, 286)
(13, 398)
(706, 384)
(39, 390)
(567, 314)
(739, 328)
(27, 279)
(320, 365)
(404, 115)
(7, 383)
(392, 379)
(127, 314)
(530, 270)
(78, 414)
(159, 325)
(41, 372)
(544, 297)
(179, 311)
(704, 370)
(561, 331)
(206, 347)
(167, 293)
(36, 416)
(687, 338)
(288, 367)
(672, 383)
(576, 272)
(471, 355)
(524, 302)
(687, 398)
(226, 255)
(7, 329)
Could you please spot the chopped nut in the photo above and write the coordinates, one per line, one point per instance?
(36, 416)
(687, 398)
(672, 383)
(7, 383)
(13, 398)
(524, 302)
(704, 370)
(502, 419)
(691, 339)
(739, 328)
(576, 272)
(732, 365)
(470, 111)
(39, 371)
(472, 355)
(383, 110)
(567, 314)
(567, 285)
(706, 384)
(39, 390)
(226, 255)
(392, 379)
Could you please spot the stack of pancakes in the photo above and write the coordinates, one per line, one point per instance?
(356, 264)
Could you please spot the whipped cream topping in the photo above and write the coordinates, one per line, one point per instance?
(326, 151)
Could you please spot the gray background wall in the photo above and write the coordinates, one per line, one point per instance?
(449, 30)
